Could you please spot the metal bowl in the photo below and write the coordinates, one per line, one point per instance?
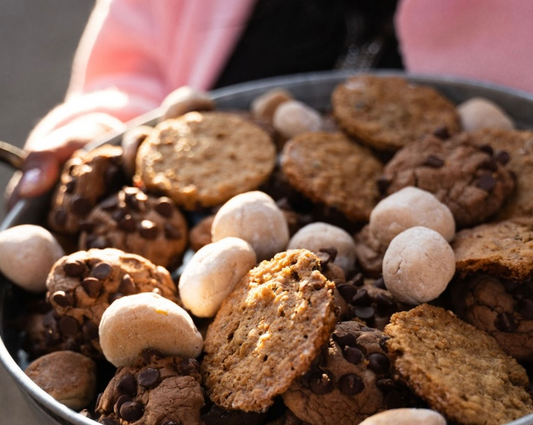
(314, 89)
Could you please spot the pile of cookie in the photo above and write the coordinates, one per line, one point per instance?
(283, 265)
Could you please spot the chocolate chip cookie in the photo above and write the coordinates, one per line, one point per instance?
(268, 331)
(388, 112)
(87, 177)
(333, 171)
(350, 381)
(82, 285)
(202, 159)
(140, 223)
(468, 178)
(457, 369)
(156, 391)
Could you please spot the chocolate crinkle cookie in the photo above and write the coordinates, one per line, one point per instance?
(156, 391)
(82, 285)
(351, 380)
(134, 221)
(87, 178)
(472, 180)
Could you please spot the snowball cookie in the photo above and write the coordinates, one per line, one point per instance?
(407, 208)
(255, 217)
(27, 253)
(318, 235)
(264, 105)
(185, 99)
(418, 265)
(405, 416)
(477, 113)
(147, 320)
(69, 377)
(294, 117)
(212, 273)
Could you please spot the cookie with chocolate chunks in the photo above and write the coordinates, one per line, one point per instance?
(457, 369)
(388, 112)
(353, 374)
(133, 221)
(468, 178)
(268, 331)
(87, 177)
(83, 284)
(156, 391)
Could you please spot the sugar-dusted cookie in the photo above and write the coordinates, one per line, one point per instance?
(157, 390)
(333, 171)
(457, 369)
(133, 221)
(388, 112)
(202, 159)
(468, 178)
(82, 285)
(87, 177)
(268, 331)
(354, 374)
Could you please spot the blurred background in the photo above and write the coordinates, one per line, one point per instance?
(37, 44)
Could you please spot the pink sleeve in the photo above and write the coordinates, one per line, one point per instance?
(135, 52)
(487, 40)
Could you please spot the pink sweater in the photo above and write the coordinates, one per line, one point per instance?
(135, 52)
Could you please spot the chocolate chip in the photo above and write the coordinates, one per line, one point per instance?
(131, 411)
(487, 149)
(350, 384)
(74, 268)
(92, 286)
(502, 157)
(321, 382)
(68, 326)
(149, 378)
(525, 309)
(81, 206)
(102, 270)
(489, 164)
(132, 200)
(114, 296)
(383, 184)
(60, 217)
(148, 229)
(63, 299)
(331, 251)
(361, 297)
(127, 223)
(187, 367)
(164, 207)
(385, 303)
(379, 283)
(352, 355)
(486, 182)
(127, 385)
(90, 330)
(127, 285)
(505, 322)
(98, 242)
(347, 291)
(364, 312)
(433, 161)
(442, 133)
(171, 232)
(378, 363)
(344, 339)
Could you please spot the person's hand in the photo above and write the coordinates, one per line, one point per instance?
(41, 167)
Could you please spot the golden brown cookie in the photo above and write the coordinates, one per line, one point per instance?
(351, 380)
(389, 112)
(268, 331)
(87, 177)
(202, 159)
(333, 171)
(144, 224)
(457, 369)
(82, 285)
(464, 176)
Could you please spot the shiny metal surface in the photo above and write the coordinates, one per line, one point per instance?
(313, 89)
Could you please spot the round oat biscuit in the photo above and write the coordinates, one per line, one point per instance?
(468, 178)
(353, 374)
(389, 112)
(82, 285)
(137, 222)
(202, 159)
(268, 331)
(457, 369)
(86, 178)
(334, 171)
